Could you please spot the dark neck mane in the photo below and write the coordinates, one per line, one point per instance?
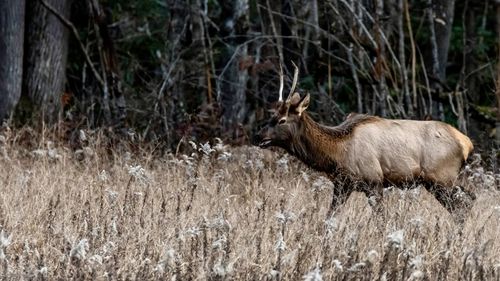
(317, 145)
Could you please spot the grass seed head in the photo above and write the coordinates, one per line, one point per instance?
(395, 239)
(314, 275)
(138, 173)
(372, 256)
(79, 250)
(43, 271)
(103, 176)
(337, 265)
(280, 244)
(417, 262)
(417, 275)
(5, 239)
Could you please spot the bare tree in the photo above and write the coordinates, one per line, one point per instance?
(234, 76)
(497, 2)
(380, 67)
(45, 57)
(444, 11)
(440, 16)
(113, 98)
(11, 54)
(402, 56)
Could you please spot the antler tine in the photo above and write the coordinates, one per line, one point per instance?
(281, 84)
(294, 83)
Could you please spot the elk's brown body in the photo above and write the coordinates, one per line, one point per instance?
(375, 149)
(369, 148)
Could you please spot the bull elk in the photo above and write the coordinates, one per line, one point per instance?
(372, 149)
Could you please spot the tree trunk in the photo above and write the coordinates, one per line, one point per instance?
(113, 99)
(435, 66)
(497, 2)
(172, 101)
(444, 11)
(381, 59)
(311, 31)
(11, 54)
(45, 57)
(440, 16)
(402, 57)
(234, 79)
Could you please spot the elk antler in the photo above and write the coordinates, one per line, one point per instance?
(281, 84)
(294, 83)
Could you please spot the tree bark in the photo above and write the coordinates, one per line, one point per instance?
(234, 79)
(11, 54)
(444, 11)
(45, 57)
(440, 15)
(311, 31)
(497, 2)
(381, 59)
(172, 102)
(114, 100)
(434, 49)
(402, 57)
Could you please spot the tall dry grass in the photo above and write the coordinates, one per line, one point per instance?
(224, 214)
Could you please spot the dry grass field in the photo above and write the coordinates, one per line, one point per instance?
(225, 214)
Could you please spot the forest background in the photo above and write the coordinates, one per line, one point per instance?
(169, 71)
(117, 118)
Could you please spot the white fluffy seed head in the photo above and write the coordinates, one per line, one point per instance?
(338, 265)
(4, 239)
(417, 262)
(417, 275)
(395, 239)
(79, 251)
(372, 256)
(280, 243)
(314, 275)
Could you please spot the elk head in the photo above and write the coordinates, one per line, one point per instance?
(286, 121)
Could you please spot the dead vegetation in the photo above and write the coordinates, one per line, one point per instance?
(224, 214)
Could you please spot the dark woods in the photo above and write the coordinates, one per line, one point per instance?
(175, 70)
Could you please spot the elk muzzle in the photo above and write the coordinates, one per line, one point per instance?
(264, 137)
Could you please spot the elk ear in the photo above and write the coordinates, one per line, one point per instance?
(295, 99)
(303, 104)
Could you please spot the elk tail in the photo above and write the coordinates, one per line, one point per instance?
(466, 145)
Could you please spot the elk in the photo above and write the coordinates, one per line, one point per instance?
(369, 149)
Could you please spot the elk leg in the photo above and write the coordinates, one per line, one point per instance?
(374, 193)
(457, 201)
(466, 199)
(443, 195)
(462, 199)
(340, 195)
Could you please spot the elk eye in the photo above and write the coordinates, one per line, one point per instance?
(282, 121)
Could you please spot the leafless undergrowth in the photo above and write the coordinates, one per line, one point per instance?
(224, 213)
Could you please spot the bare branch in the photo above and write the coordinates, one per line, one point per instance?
(73, 29)
(382, 34)
(402, 57)
(275, 32)
(359, 93)
(306, 23)
(413, 55)
(360, 22)
(434, 45)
